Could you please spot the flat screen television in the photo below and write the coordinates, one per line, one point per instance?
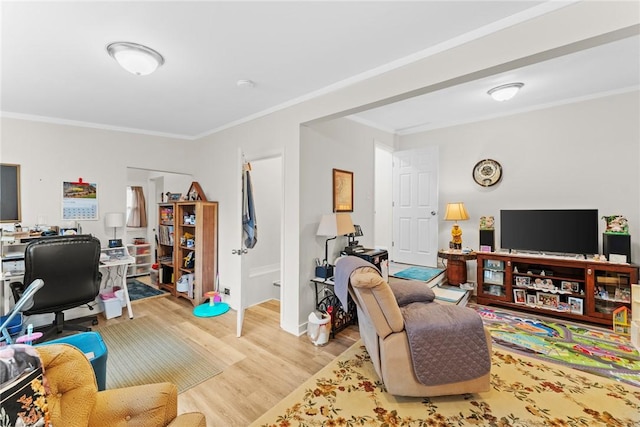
(566, 231)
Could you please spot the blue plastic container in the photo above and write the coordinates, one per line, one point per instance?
(15, 326)
(92, 345)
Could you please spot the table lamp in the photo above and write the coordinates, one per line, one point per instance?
(334, 224)
(115, 220)
(456, 212)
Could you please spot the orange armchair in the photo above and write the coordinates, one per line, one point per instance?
(74, 400)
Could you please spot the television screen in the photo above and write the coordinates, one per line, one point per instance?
(572, 231)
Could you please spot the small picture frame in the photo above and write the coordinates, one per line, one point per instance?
(485, 248)
(546, 300)
(519, 296)
(174, 197)
(576, 305)
(531, 299)
(565, 286)
(523, 281)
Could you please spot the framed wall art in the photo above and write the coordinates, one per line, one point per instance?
(342, 191)
(10, 192)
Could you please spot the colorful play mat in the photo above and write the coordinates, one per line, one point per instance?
(590, 349)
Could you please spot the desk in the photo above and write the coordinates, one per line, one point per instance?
(113, 277)
(456, 265)
(326, 297)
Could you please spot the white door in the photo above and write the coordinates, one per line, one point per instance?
(415, 207)
(241, 250)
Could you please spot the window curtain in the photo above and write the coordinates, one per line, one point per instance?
(138, 214)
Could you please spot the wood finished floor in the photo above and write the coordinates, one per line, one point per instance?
(258, 369)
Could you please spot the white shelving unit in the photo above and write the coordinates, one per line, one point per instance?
(142, 254)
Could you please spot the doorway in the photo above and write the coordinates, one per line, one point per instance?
(261, 265)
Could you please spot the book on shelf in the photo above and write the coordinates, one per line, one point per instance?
(166, 235)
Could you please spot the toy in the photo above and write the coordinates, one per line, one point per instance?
(622, 321)
(616, 224)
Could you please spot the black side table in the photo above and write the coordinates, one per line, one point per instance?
(326, 297)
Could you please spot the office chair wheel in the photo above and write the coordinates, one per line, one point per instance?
(94, 322)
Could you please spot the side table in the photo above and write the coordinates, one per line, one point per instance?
(326, 297)
(456, 265)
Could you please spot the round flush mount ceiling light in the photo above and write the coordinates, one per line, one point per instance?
(243, 83)
(505, 92)
(135, 58)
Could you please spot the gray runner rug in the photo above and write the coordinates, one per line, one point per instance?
(139, 352)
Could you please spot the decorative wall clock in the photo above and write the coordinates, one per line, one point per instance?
(487, 172)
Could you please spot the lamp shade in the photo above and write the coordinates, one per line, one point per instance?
(456, 212)
(135, 58)
(335, 224)
(114, 219)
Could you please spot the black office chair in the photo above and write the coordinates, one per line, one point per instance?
(69, 266)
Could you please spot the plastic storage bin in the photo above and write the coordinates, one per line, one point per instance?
(111, 307)
(92, 345)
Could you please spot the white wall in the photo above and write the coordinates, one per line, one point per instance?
(576, 156)
(49, 154)
(337, 144)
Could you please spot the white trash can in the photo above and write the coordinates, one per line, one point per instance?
(319, 328)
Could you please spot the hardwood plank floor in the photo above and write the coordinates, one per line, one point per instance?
(258, 369)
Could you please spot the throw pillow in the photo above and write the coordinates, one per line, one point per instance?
(407, 292)
(22, 387)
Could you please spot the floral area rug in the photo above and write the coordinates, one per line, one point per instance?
(594, 350)
(524, 393)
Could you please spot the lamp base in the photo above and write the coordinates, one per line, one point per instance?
(456, 237)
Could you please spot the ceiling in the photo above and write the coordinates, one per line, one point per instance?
(55, 67)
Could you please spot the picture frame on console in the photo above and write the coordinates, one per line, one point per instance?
(546, 300)
(566, 286)
(576, 305)
(519, 296)
(531, 299)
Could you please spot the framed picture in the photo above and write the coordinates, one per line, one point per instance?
(519, 296)
(576, 305)
(174, 197)
(531, 299)
(523, 281)
(342, 191)
(570, 286)
(547, 300)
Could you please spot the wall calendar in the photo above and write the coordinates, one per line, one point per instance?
(79, 200)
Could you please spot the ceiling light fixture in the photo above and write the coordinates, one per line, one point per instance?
(505, 92)
(245, 83)
(135, 58)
